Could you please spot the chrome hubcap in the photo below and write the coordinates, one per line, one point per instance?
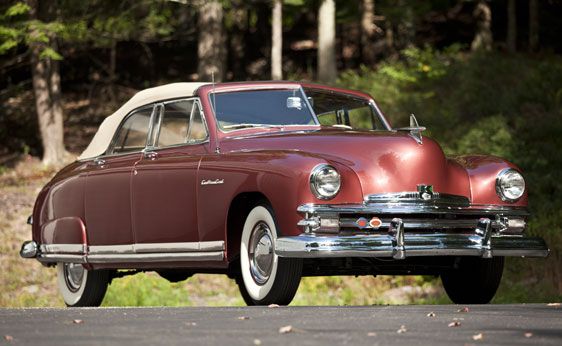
(260, 253)
(73, 275)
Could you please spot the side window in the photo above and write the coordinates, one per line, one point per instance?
(132, 135)
(197, 130)
(181, 123)
(174, 124)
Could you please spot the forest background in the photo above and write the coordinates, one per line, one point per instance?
(485, 77)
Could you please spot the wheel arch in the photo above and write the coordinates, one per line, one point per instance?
(239, 208)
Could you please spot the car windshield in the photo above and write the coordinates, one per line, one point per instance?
(342, 110)
(261, 108)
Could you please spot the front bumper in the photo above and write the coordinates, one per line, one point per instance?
(419, 231)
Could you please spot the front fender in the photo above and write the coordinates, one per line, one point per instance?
(482, 171)
(281, 176)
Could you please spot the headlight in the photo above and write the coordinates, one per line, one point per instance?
(325, 181)
(510, 185)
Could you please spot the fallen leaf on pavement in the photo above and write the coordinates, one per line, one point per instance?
(8, 338)
(465, 309)
(454, 324)
(528, 335)
(273, 306)
(431, 314)
(479, 336)
(371, 334)
(77, 321)
(402, 329)
(285, 329)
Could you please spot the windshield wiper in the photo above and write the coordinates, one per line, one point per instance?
(242, 126)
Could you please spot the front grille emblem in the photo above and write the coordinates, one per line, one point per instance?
(425, 192)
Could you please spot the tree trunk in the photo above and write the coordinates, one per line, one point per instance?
(46, 87)
(327, 71)
(368, 32)
(483, 38)
(533, 25)
(237, 40)
(511, 26)
(113, 70)
(210, 47)
(277, 40)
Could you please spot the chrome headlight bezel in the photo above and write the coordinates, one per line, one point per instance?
(501, 180)
(317, 173)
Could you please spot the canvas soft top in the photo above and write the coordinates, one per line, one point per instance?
(102, 139)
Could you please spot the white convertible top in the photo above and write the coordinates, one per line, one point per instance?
(102, 139)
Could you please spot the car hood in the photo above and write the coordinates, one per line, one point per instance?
(384, 161)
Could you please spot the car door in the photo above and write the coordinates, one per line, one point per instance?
(108, 184)
(164, 210)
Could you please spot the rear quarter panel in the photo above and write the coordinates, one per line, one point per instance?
(58, 213)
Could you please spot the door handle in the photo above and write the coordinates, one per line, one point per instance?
(151, 155)
(99, 162)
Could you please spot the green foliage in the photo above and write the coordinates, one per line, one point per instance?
(497, 136)
(17, 9)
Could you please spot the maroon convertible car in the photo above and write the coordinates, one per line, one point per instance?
(268, 182)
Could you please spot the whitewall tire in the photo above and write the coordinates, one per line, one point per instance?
(81, 287)
(265, 278)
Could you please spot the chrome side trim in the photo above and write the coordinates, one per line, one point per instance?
(63, 248)
(216, 245)
(157, 247)
(156, 257)
(110, 249)
(149, 252)
(50, 258)
(166, 247)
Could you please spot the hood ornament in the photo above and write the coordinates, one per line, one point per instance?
(414, 128)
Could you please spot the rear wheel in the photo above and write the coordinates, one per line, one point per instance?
(81, 287)
(265, 278)
(474, 281)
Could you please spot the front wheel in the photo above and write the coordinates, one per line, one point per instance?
(265, 278)
(81, 287)
(474, 280)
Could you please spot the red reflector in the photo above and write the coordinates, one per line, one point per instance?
(375, 222)
(362, 222)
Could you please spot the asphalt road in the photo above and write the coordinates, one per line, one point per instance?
(537, 324)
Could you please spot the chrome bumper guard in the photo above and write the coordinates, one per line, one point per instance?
(489, 236)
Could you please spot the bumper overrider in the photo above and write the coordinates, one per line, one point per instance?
(448, 227)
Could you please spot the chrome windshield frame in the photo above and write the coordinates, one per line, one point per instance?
(211, 96)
